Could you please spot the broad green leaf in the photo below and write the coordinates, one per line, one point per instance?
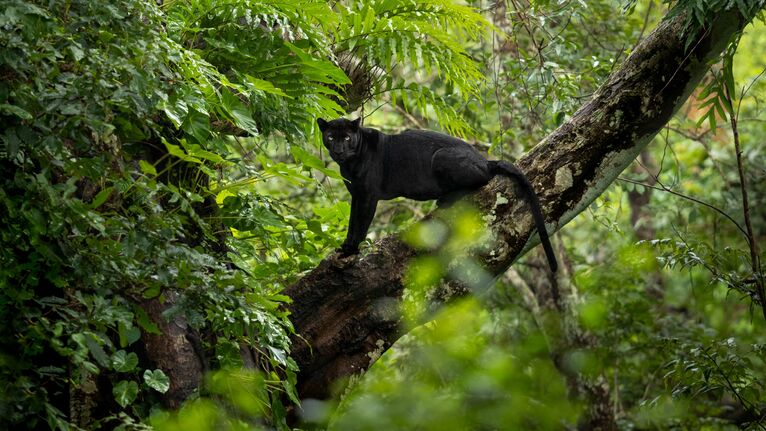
(282, 170)
(310, 161)
(176, 112)
(198, 153)
(147, 168)
(77, 52)
(197, 124)
(157, 380)
(239, 113)
(175, 150)
(125, 392)
(228, 354)
(123, 361)
(306, 158)
(291, 392)
(145, 322)
(15, 110)
(265, 86)
(101, 197)
(128, 334)
(337, 212)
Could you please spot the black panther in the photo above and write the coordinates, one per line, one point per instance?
(415, 164)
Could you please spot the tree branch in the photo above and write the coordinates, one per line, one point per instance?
(343, 310)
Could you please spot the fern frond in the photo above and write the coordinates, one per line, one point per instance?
(272, 56)
(422, 39)
(427, 103)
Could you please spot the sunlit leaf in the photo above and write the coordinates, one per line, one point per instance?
(157, 380)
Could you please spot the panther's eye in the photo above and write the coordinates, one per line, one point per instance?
(347, 138)
(330, 138)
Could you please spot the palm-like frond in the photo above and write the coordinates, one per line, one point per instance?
(266, 60)
(425, 39)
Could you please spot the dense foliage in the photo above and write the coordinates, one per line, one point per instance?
(95, 222)
(165, 153)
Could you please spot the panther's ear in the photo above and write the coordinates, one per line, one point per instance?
(355, 124)
(322, 124)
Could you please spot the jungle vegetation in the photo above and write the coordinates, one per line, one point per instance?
(168, 216)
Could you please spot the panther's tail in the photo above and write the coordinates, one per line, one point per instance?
(501, 167)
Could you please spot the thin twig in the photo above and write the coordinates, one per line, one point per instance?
(681, 195)
(645, 25)
(751, 241)
(746, 405)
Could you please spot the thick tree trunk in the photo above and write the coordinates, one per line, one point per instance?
(173, 351)
(344, 310)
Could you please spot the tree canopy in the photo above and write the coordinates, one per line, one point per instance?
(168, 216)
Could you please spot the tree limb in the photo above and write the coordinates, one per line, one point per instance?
(343, 310)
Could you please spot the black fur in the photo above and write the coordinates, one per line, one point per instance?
(416, 164)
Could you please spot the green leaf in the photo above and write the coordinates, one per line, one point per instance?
(77, 52)
(314, 226)
(310, 161)
(152, 291)
(228, 354)
(175, 150)
(304, 157)
(157, 380)
(291, 392)
(124, 362)
(90, 366)
(282, 170)
(128, 334)
(198, 152)
(327, 72)
(94, 345)
(147, 168)
(15, 110)
(197, 124)
(278, 354)
(239, 113)
(720, 108)
(125, 392)
(145, 322)
(244, 120)
(338, 212)
(265, 86)
(101, 197)
(176, 112)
